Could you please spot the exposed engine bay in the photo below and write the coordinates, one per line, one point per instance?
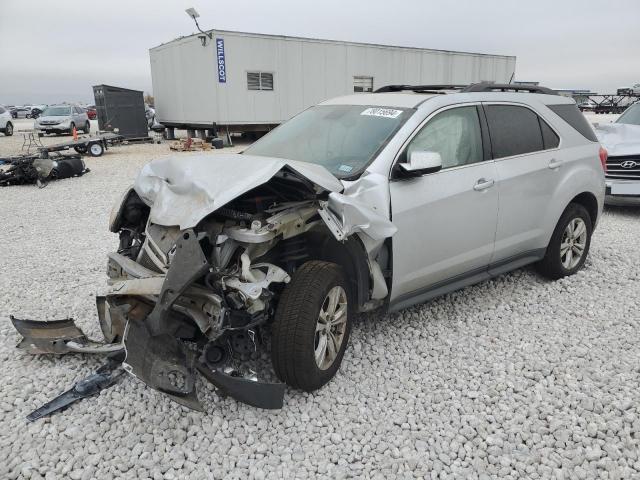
(193, 286)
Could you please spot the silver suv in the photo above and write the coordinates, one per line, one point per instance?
(367, 201)
(62, 119)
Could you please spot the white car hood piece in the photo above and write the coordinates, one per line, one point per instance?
(182, 190)
(619, 138)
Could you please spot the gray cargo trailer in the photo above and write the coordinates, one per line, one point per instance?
(252, 82)
(121, 109)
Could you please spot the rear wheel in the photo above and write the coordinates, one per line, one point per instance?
(569, 246)
(87, 127)
(71, 127)
(8, 129)
(311, 327)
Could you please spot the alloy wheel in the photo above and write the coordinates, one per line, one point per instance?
(573, 244)
(330, 327)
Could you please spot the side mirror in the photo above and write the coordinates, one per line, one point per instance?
(420, 163)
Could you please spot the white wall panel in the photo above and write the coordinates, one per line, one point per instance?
(306, 72)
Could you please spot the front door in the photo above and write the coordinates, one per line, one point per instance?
(446, 220)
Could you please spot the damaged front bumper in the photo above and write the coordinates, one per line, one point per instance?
(138, 316)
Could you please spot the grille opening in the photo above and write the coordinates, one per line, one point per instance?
(624, 167)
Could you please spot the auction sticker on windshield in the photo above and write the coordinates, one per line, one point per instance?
(382, 112)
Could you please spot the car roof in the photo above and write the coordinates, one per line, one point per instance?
(415, 100)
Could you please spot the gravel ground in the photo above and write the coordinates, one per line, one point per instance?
(516, 377)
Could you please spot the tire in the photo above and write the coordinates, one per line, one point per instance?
(95, 149)
(295, 337)
(71, 127)
(554, 265)
(81, 149)
(87, 127)
(8, 129)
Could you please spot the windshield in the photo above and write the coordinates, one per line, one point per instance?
(57, 112)
(631, 116)
(342, 138)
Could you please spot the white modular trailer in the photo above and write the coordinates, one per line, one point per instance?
(245, 81)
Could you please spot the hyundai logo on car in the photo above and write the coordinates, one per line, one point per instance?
(222, 70)
(628, 164)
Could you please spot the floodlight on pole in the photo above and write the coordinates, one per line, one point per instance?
(193, 13)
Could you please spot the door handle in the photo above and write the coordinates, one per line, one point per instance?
(553, 164)
(483, 184)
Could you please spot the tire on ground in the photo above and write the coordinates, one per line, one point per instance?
(551, 265)
(294, 328)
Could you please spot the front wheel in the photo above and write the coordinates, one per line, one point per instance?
(311, 326)
(569, 245)
(8, 130)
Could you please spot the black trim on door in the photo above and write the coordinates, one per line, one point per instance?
(486, 136)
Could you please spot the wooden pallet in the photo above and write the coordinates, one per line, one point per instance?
(189, 145)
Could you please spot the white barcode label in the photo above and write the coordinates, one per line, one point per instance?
(382, 112)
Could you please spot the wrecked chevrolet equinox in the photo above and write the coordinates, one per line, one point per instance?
(366, 201)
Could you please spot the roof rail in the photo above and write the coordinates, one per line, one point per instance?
(418, 88)
(507, 87)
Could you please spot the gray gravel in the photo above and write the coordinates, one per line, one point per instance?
(517, 377)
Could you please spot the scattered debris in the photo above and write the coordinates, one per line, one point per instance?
(32, 169)
(189, 145)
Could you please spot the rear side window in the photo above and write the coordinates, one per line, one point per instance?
(514, 130)
(574, 117)
(2, 110)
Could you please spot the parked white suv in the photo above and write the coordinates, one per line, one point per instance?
(62, 119)
(6, 126)
(367, 201)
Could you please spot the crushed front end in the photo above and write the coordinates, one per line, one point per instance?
(205, 252)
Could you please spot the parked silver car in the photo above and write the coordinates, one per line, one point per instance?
(367, 201)
(6, 126)
(622, 141)
(62, 119)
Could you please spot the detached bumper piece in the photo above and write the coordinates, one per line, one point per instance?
(59, 337)
(103, 378)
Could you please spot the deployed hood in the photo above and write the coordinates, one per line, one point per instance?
(619, 138)
(182, 190)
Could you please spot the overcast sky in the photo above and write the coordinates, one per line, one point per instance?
(52, 51)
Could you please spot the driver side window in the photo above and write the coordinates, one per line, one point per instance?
(454, 134)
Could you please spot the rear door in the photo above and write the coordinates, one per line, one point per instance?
(446, 220)
(526, 152)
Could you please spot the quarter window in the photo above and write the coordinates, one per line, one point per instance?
(570, 113)
(259, 81)
(454, 134)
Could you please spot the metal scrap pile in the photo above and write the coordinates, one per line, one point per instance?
(31, 169)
